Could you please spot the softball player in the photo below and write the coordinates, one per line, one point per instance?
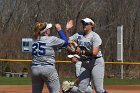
(43, 62)
(92, 60)
(76, 59)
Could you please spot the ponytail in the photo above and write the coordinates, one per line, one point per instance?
(38, 27)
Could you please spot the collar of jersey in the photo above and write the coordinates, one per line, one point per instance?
(89, 34)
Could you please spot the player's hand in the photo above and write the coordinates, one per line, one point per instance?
(72, 46)
(78, 50)
(58, 27)
(74, 60)
(69, 24)
(75, 43)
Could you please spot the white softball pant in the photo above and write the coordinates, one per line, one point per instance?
(45, 74)
(75, 89)
(96, 74)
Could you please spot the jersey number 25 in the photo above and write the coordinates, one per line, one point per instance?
(38, 49)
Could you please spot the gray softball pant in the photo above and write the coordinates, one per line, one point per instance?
(75, 89)
(45, 74)
(96, 74)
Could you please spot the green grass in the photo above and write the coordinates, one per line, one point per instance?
(121, 82)
(15, 81)
(27, 81)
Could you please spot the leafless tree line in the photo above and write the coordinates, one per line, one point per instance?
(17, 19)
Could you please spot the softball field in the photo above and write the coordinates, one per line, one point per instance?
(109, 88)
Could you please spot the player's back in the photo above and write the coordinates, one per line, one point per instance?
(43, 49)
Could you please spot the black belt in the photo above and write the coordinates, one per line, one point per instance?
(98, 57)
(41, 64)
(90, 58)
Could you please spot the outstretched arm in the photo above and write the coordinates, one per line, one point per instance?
(69, 25)
(61, 34)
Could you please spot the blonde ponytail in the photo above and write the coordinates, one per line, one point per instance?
(38, 27)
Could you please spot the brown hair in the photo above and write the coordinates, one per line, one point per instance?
(39, 26)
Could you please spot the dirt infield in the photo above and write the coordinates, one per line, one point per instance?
(109, 88)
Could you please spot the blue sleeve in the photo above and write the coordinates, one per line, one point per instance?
(63, 36)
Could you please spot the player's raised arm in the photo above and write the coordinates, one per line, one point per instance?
(61, 34)
(69, 25)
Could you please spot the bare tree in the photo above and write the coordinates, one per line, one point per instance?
(17, 19)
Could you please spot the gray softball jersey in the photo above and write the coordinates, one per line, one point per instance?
(88, 41)
(43, 49)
